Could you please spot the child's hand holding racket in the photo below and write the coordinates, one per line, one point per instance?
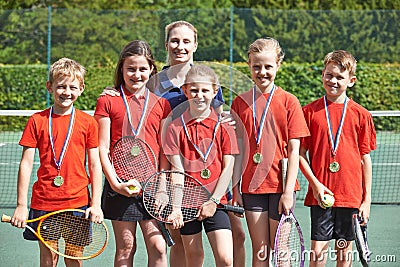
(186, 197)
(20, 216)
(364, 212)
(95, 214)
(237, 200)
(207, 210)
(176, 218)
(286, 203)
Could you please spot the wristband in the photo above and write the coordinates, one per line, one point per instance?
(215, 200)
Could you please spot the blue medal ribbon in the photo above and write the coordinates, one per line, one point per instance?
(335, 141)
(204, 156)
(146, 101)
(259, 130)
(67, 138)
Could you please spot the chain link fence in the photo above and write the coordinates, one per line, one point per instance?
(95, 37)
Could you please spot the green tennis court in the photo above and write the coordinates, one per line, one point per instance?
(384, 227)
(385, 160)
(383, 236)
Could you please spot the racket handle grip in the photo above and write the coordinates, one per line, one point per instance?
(5, 218)
(234, 209)
(167, 236)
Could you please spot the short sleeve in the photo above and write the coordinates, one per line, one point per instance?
(29, 137)
(367, 135)
(171, 146)
(103, 106)
(229, 140)
(93, 134)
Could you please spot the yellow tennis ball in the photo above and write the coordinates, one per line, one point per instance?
(133, 188)
(328, 200)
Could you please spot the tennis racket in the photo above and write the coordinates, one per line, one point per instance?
(289, 242)
(132, 158)
(162, 194)
(360, 235)
(69, 234)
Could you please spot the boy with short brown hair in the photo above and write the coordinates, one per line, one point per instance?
(338, 162)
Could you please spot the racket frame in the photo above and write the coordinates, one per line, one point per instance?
(7, 219)
(153, 158)
(300, 235)
(148, 204)
(153, 161)
(360, 234)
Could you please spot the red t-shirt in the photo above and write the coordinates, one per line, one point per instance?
(358, 138)
(284, 121)
(114, 108)
(201, 134)
(74, 192)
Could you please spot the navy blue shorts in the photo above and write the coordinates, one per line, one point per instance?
(62, 228)
(220, 220)
(332, 223)
(264, 202)
(229, 195)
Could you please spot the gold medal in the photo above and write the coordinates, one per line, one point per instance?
(257, 158)
(334, 166)
(135, 151)
(58, 181)
(205, 173)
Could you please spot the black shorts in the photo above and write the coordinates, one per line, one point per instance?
(332, 223)
(82, 235)
(121, 208)
(220, 220)
(265, 202)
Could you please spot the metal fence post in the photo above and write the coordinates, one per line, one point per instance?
(231, 56)
(48, 50)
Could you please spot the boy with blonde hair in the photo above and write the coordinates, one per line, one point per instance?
(63, 135)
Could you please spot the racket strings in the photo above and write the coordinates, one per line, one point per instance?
(360, 233)
(288, 248)
(162, 196)
(72, 235)
(133, 159)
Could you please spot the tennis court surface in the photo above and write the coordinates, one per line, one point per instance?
(383, 237)
(383, 230)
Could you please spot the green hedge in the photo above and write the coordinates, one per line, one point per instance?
(377, 87)
(97, 36)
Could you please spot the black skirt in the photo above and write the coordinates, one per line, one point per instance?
(121, 208)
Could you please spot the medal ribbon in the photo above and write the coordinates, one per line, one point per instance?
(67, 138)
(335, 142)
(259, 130)
(146, 101)
(204, 156)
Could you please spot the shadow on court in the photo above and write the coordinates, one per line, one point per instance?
(383, 236)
